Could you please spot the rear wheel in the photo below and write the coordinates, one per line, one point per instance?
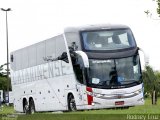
(71, 103)
(31, 107)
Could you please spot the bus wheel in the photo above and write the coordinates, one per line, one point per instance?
(31, 107)
(71, 103)
(25, 106)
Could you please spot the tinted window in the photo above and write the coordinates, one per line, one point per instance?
(114, 71)
(108, 39)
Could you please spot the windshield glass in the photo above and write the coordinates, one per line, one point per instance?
(114, 72)
(111, 39)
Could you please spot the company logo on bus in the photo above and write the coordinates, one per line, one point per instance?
(119, 96)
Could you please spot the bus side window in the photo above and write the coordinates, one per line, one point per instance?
(40, 51)
(61, 50)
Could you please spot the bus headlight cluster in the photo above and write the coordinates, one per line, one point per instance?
(93, 94)
(138, 91)
(97, 95)
(89, 93)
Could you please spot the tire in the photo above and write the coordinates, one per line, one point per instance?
(31, 107)
(25, 107)
(71, 103)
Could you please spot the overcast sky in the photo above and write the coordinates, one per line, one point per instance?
(31, 21)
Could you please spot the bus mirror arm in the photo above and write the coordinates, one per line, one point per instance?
(146, 57)
(63, 57)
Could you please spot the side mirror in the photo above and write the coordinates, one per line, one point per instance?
(146, 57)
(82, 59)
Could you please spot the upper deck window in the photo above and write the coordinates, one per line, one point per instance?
(112, 39)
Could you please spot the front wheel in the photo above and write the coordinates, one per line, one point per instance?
(71, 103)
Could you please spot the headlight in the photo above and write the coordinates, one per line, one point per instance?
(139, 91)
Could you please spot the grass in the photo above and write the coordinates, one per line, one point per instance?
(110, 114)
(148, 108)
(6, 109)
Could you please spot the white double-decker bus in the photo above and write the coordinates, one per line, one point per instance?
(89, 67)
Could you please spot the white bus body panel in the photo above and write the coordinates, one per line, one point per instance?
(49, 93)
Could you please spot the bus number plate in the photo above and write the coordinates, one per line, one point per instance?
(119, 103)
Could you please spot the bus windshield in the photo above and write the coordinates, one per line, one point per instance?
(114, 72)
(112, 39)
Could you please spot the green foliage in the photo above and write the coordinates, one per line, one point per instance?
(145, 109)
(151, 80)
(1, 69)
(2, 73)
(158, 9)
(3, 79)
(3, 83)
(157, 74)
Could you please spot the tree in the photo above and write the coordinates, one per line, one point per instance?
(1, 69)
(2, 73)
(151, 83)
(157, 74)
(3, 79)
(148, 13)
(148, 78)
(158, 9)
(3, 83)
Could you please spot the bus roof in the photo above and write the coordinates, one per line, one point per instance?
(94, 27)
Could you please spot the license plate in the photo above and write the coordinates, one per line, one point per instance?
(119, 103)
